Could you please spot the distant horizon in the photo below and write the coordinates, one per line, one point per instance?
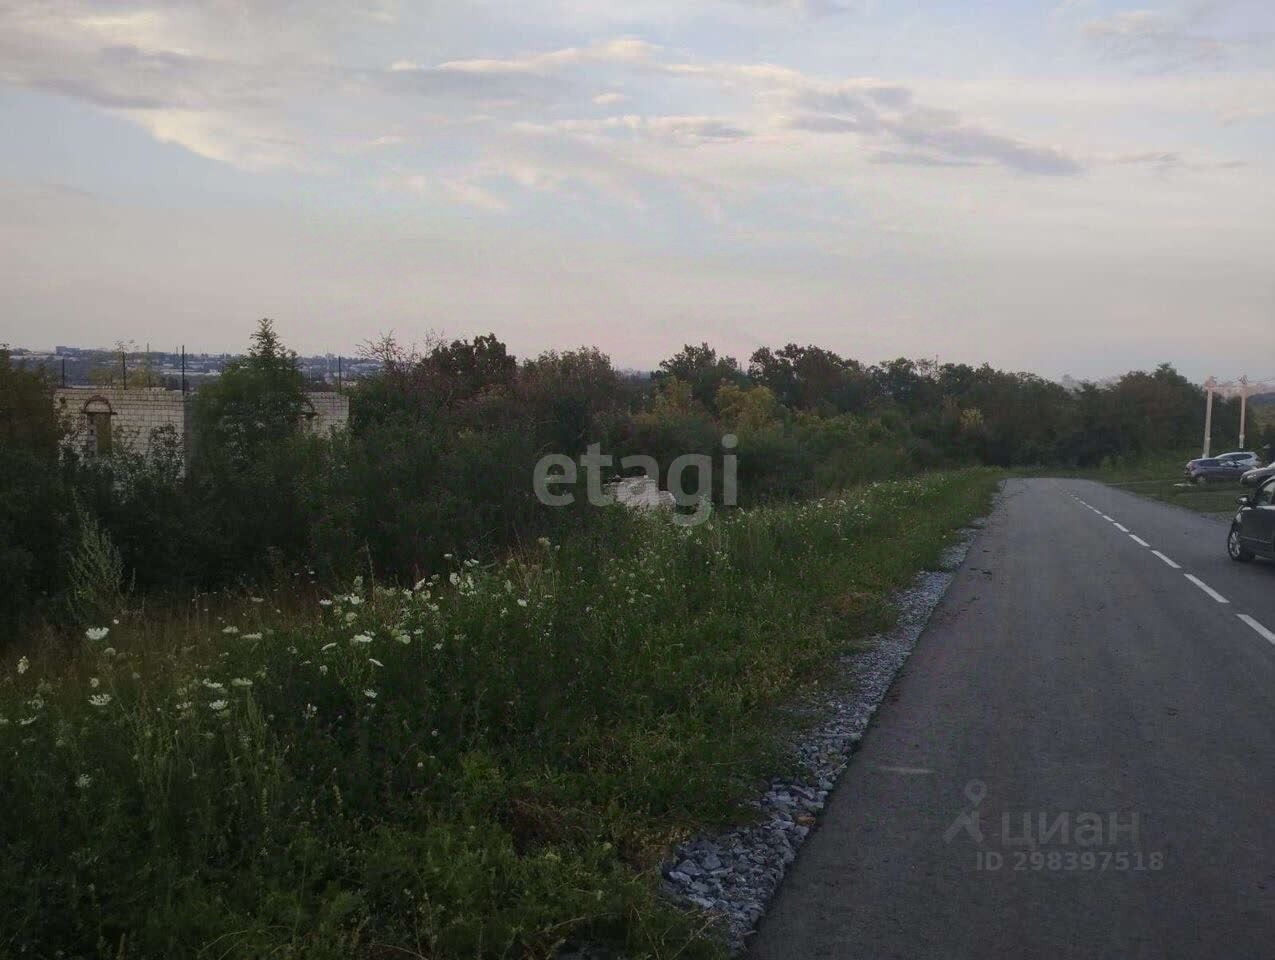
(1224, 385)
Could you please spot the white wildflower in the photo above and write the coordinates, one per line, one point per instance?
(241, 682)
(257, 599)
(350, 617)
(213, 685)
(326, 647)
(522, 601)
(23, 665)
(454, 578)
(354, 599)
(323, 669)
(325, 603)
(109, 652)
(100, 699)
(94, 682)
(230, 629)
(218, 705)
(403, 638)
(252, 636)
(374, 662)
(97, 633)
(360, 638)
(370, 694)
(84, 781)
(27, 721)
(310, 711)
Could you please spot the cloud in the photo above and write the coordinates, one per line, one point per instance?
(889, 112)
(914, 159)
(624, 51)
(1153, 35)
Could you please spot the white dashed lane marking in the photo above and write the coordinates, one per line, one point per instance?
(1206, 588)
(1255, 625)
(1261, 630)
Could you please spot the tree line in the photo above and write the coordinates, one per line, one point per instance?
(442, 442)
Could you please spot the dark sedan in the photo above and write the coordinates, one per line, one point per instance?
(1253, 529)
(1212, 469)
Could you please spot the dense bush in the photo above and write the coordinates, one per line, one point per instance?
(488, 764)
(443, 442)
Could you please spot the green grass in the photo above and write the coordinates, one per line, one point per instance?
(1162, 478)
(488, 765)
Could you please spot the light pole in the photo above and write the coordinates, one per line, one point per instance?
(1209, 384)
(1243, 406)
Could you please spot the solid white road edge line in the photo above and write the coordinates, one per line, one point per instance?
(1138, 540)
(1122, 528)
(1261, 630)
(1107, 518)
(1206, 588)
(1166, 559)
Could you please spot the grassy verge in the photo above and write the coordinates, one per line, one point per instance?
(488, 765)
(1161, 478)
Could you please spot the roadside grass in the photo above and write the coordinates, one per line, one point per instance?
(1162, 478)
(491, 764)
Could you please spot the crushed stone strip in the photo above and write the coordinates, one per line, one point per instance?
(733, 875)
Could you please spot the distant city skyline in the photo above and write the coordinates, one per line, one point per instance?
(1076, 187)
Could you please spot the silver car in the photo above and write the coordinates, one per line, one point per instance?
(1253, 477)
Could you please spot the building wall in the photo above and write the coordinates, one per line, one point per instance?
(331, 412)
(134, 413)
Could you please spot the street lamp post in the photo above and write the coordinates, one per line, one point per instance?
(1243, 406)
(1208, 413)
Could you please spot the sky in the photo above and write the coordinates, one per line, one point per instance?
(1079, 187)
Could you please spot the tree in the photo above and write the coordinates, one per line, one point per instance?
(702, 369)
(35, 499)
(258, 401)
(810, 378)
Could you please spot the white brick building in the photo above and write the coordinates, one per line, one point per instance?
(100, 417)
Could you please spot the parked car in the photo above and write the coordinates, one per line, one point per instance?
(1214, 469)
(1252, 531)
(1248, 458)
(1253, 477)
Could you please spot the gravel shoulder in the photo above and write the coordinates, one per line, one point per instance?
(733, 875)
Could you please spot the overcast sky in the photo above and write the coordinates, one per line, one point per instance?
(1079, 187)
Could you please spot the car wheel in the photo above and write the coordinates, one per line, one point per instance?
(1236, 549)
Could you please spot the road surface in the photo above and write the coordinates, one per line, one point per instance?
(1102, 669)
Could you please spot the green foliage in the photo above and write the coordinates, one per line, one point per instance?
(35, 502)
(491, 764)
(96, 586)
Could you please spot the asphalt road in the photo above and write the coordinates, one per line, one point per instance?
(1069, 672)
